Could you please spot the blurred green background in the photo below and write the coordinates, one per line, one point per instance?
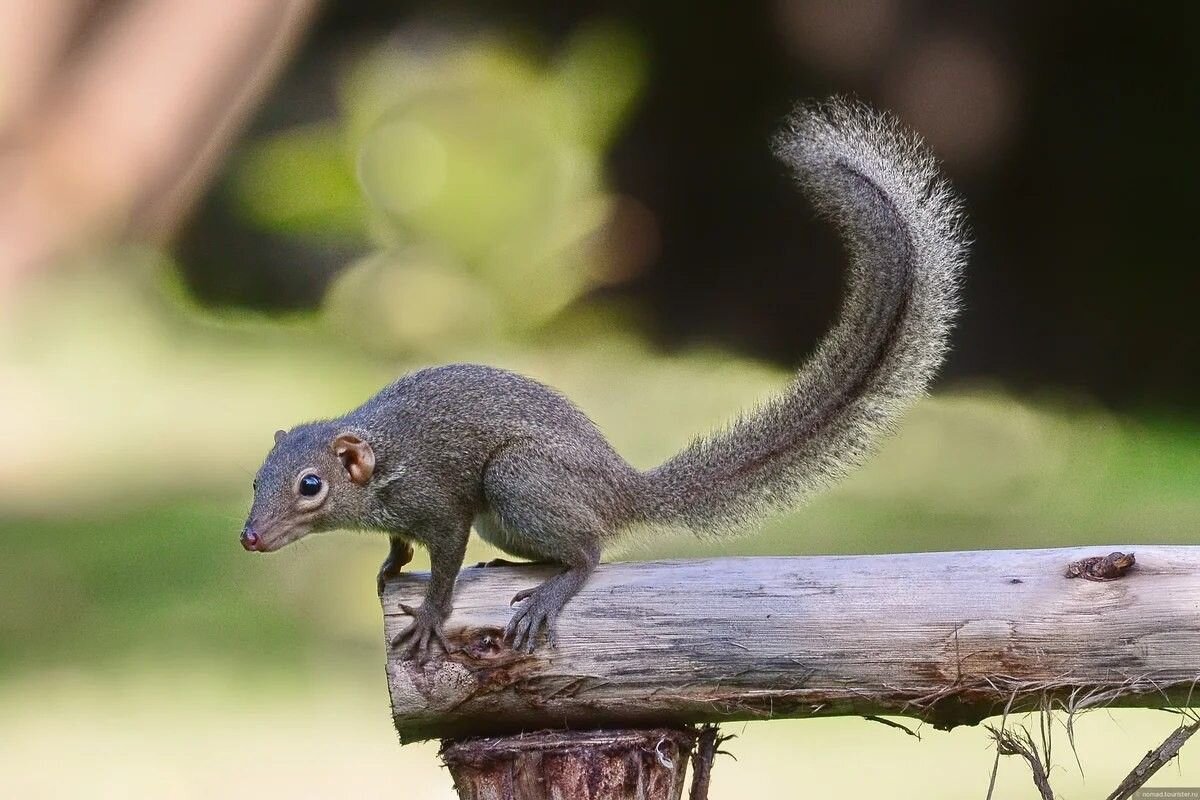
(426, 186)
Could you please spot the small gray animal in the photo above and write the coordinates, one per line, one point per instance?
(448, 448)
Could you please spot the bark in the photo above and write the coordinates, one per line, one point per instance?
(949, 638)
(596, 765)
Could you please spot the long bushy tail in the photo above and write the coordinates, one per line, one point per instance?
(904, 230)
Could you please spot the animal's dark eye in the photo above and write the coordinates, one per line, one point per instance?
(310, 485)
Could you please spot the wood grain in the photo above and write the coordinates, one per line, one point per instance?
(946, 637)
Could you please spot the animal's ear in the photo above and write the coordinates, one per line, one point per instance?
(356, 456)
(279, 436)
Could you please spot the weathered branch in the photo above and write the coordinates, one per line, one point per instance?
(1022, 744)
(949, 638)
(1153, 761)
(708, 744)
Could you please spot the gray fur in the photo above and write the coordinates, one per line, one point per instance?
(465, 444)
(905, 233)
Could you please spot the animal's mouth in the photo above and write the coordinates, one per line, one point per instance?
(271, 537)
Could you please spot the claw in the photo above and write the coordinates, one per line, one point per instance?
(382, 577)
(393, 566)
(416, 641)
(527, 624)
(530, 638)
(524, 594)
(441, 639)
(510, 629)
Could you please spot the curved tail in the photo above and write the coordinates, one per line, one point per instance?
(904, 229)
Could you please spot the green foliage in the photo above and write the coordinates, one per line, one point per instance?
(298, 183)
(474, 171)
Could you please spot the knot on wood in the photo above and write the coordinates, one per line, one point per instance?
(477, 664)
(1101, 568)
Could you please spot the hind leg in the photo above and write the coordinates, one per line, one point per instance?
(546, 509)
(540, 606)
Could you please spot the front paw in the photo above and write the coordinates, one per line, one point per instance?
(417, 640)
(387, 570)
(392, 566)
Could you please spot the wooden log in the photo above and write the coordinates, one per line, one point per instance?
(595, 765)
(949, 638)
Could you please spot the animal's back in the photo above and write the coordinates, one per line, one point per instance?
(482, 394)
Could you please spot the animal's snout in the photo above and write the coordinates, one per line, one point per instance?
(249, 538)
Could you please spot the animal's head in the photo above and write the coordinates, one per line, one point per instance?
(314, 479)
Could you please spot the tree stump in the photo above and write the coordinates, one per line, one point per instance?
(591, 765)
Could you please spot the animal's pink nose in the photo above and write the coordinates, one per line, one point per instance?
(249, 538)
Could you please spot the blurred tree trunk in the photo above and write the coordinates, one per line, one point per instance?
(124, 134)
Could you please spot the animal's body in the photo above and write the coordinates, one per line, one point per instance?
(448, 448)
